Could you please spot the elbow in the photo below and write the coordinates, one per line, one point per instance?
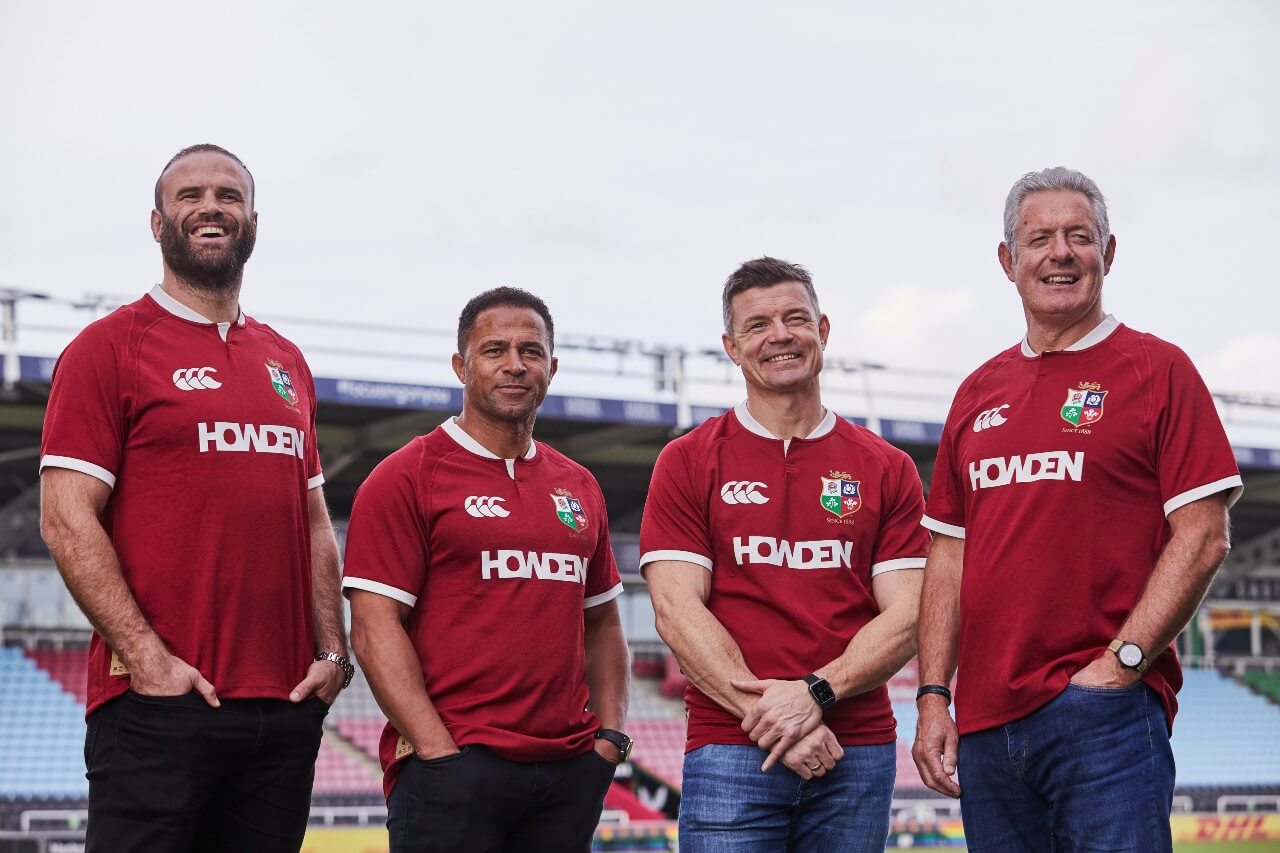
(360, 640)
(1217, 549)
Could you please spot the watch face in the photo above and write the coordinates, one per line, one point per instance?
(1130, 655)
(823, 693)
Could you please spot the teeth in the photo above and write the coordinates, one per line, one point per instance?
(209, 231)
(781, 358)
(1061, 279)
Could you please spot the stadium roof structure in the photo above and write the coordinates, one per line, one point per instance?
(361, 421)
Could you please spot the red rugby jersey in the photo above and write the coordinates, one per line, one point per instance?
(792, 533)
(1058, 471)
(498, 559)
(206, 434)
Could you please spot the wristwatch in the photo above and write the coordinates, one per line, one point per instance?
(618, 739)
(820, 690)
(348, 671)
(1130, 655)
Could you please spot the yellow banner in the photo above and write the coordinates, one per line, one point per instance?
(345, 840)
(1226, 827)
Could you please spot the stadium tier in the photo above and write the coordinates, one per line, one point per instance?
(41, 733)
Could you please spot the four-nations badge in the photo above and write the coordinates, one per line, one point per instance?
(840, 494)
(281, 382)
(569, 510)
(1083, 406)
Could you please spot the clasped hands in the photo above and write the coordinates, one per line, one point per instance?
(786, 722)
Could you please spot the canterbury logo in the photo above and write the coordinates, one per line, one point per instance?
(482, 507)
(195, 379)
(989, 418)
(743, 492)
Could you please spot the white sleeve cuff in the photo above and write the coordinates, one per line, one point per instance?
(896, 565)
(682, 556)
(79, 465)
(381, 589)
(315, 482)
(1234, 483)
(942, 527)
(603, 598)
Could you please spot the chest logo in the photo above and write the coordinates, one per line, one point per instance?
(282, 382)
(195, 379)
(841, 494)
(990, 418)
(743, 492)
(480, 506)
(1083, 406)
(569, 510)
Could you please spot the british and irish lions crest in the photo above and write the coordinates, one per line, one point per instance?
(1083, 406)
(569, 510)
(281, 382)
(841, 494)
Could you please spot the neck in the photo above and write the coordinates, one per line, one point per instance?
(1053, 333)
(794, 414)
(506, 439)
(220, 306)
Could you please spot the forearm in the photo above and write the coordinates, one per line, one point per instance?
(707, 654)
(326, 594)
(876, 652)
(608, 675)
(91, 570)
(939, 622)
(1175, 589)
(391, 666)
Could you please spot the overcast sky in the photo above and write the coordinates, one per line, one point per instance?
(621, 159)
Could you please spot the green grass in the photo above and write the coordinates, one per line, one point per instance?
(1227, 847)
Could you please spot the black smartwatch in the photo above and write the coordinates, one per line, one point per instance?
(618, 739)
(820, 690)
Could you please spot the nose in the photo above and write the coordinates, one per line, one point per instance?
(513, 364)
(1060, 249)
(779, 331)
(209, 204)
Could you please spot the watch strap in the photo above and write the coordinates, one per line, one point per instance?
(619, 739)
(1117, 644)
(821, 690)
(348, 670)
(937, 689)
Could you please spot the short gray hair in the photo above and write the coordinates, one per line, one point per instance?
(1055, 178)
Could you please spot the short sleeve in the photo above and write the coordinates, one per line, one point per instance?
(84, 423)
(674, 525)
(315, 476)
(901, 542)
(945, 512)
(604, 584)
(1193, 456)
(387, 548)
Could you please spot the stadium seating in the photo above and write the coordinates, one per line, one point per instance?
(41, 734)
(1266, 683)
(67, 667)
(1224, 735)
(339, 771)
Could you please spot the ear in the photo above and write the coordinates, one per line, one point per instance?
(157, 222)
(254, 216)
(1006, 261)
(460, 368)
(555, 365)
(824, 329)
(1109, 254)
(730, 348)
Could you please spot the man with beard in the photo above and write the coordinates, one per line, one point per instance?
(181, 499)
(482, 588)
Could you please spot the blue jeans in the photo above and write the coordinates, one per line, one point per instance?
(728, 806)
(1092, 770)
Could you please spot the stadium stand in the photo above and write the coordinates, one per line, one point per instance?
(41, 733)
(1266, 683)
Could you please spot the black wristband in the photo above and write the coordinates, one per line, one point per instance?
(926, 689)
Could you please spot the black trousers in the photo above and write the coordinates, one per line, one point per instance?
(173, 774)
(476, 802)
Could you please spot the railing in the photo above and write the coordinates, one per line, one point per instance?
(347, 815)
(1234, 803)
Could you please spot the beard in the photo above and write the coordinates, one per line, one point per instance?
(215, 270)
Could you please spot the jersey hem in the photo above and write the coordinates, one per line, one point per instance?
(1234, 482)
(942, 527)
(603, 598)
(70, 462)
(381, 589)
(682, 556)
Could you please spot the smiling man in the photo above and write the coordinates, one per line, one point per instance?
(483, 589)
(782, 546)
(1079, 506)
(181, 499)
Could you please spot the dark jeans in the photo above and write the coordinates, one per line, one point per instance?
(729, 806)
(173, 774)
(476, 802)
(1092, 770)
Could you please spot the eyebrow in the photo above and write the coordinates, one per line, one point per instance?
(198, 188)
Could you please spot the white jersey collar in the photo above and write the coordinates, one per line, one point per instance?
(466, 442)
(176, 308)
(827, 424)
(1099, 334)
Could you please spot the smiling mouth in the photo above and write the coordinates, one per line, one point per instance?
(782, 358)
(209, 231)
(1060, 279)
